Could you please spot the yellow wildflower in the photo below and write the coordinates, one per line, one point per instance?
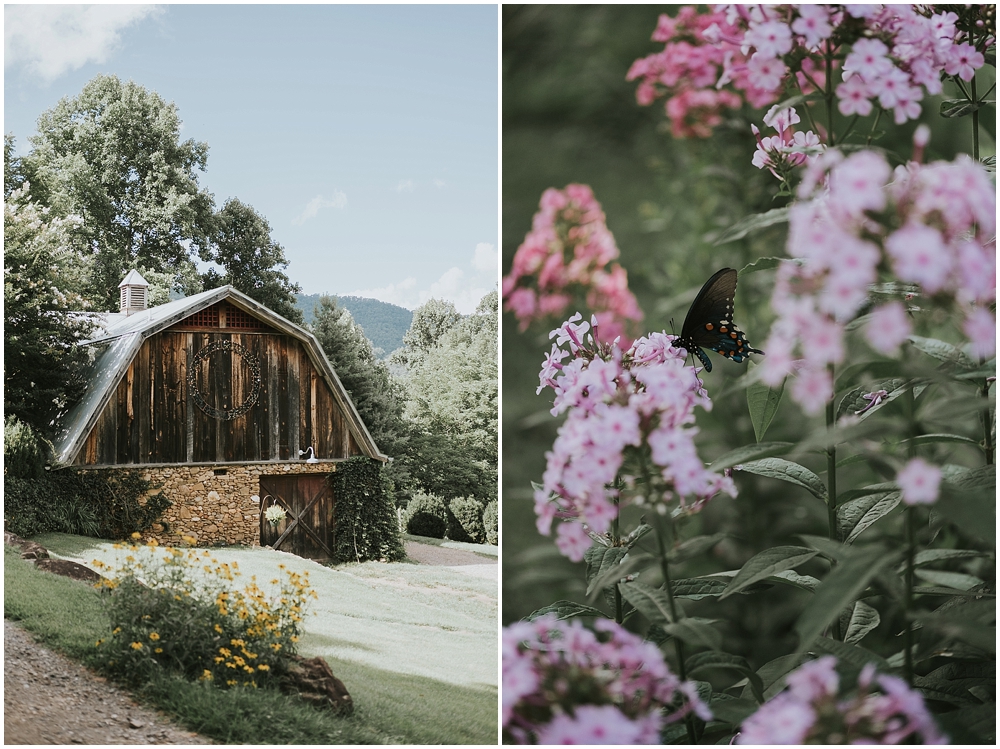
(206, 675)
(263, 667)
(158, 650)
(136, 646)
(136, 535)
(116, 630)
(154, 636)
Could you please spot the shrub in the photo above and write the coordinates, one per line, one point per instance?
(25, 452)
(175, 611)
(103, 504)
(367, 524)
(465, 520)
(491, 522)
(426, 516)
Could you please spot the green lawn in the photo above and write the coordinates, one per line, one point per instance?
(415, 645)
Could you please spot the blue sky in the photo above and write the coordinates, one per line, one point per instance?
(365, 134)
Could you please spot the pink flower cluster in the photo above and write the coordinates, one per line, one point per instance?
(809, 711)
(566, 684)
(780, 153)
(569, 253)
(891, 54)
(929, 225)
(641, 398)
(920, 482)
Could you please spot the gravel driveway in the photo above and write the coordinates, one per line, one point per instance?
(49, 699)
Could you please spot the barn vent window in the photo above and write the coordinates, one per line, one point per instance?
(219, 472)
(206, 318)
(133, 293)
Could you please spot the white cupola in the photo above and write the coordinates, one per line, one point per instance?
(133, 292)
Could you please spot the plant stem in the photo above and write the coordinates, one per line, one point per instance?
(987, 417)
(829, 94)
(615, 539)
(908, 600)
(871, 134)
(678, 645)
(975, 121)
(831, 486)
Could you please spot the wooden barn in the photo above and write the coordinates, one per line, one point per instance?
(227, 407)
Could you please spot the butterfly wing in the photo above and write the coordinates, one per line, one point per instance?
(709, 323)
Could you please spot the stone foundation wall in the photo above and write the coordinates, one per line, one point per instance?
(216, 509)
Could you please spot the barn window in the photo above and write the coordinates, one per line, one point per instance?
(237, 318)
(207, 318)
(219, 472)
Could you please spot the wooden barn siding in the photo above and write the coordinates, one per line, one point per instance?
(152, 419)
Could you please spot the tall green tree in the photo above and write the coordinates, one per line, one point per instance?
(251, 260)
(378, 397)
(113, 157)
(431, 320)
(44, 367)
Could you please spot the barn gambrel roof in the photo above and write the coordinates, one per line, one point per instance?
(121, 337)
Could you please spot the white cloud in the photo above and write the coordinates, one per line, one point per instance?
(439, 183)
(463, 288)
(404, 185)
(50, 40)
(312, 209)
(486, 260)
(404, 293)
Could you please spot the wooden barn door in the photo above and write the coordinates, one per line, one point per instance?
(307, 529)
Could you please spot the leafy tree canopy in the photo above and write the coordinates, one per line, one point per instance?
(113, 157)
(251, 259)
(44, 369)
(431, 320)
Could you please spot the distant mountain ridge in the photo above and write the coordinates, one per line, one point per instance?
(384, 324)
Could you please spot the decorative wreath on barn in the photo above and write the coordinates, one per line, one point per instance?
(226, 414)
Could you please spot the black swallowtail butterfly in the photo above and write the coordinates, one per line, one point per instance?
(709, 322)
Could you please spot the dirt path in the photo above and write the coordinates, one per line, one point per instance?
(441, 556)
(49, 699)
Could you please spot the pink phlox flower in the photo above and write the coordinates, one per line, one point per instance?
(981, 327)
(919, 255)
(868, 58)
(891, 88)
(919, 482)
(813, 24)
(590, 724)
(781, 720)
(766, 73)
(545, 512)
(888, 327)
(572, 541)
(812, 389)
(781, 119)
(770, 39)
(964, 61)
(977, 273)
(857, 184)
(814, 680)
(571, 333)
(551, 368)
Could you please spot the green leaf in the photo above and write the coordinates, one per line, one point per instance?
(879, 510)
(651, 602)
(833, 550)
(943, 352)
(970, 725)
(733, 710)
(881, 370)
(696, 588)
(614, 573)
(600, 559)
(708, 660)
(794, 579)
(786, 470)
(928, 556)
(566, 610)
(864, 619)
(928, 439)
(968, 499)
(855, 401)
(951, 108)
(961, 628)
(850, 511)
(694, 546)
(989, 369)
(956, 580)
(751, 223)
(633, 538)
(848, 653)
(767, 563)
(764, 263)
(750, 452)
(772, 674)
(840, 588)
(696, 632)
(763, 404)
